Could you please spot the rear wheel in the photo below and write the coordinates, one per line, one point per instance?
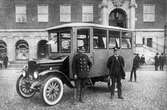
(23, 87)
(52, 90)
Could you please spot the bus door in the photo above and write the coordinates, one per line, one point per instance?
(99, 53)
(83, 41)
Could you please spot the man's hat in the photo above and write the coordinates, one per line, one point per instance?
(115, 48)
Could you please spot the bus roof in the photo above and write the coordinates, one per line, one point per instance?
(85, 25)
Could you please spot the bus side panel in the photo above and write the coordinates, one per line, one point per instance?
(127, 54)
(99, 59)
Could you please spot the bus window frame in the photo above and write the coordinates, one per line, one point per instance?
(119, 31)
(89, 39)
(59, 31)
(127, 37)
(106, 34)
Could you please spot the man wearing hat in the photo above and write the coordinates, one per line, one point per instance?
(115, 64)
(156, 59)
(81, 65)
(135, 66)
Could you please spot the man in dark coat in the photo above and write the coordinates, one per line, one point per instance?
(5, 61)
(81, 65)
(135, 66)
(142, 59)
(156, 59)
(115, 64)
(161, 61)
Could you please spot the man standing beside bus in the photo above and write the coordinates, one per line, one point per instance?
(115, 64)
(156, 59)
(135, 66)
(81, 65)
(161, 61)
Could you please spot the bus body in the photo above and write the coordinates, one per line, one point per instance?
(98, 41)
(47, 76)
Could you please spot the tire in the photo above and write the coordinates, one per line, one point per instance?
(23, 88)
(52, 90)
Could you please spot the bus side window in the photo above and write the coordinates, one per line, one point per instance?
(83, 40)
(65, 46)
(99, 39)
(126, 41)
(114, 39)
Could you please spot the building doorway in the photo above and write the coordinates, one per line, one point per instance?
(118, 18)
(42, 51)
(22, 50)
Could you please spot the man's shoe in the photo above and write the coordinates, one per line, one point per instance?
(120, 97)
(130, 80)
(81, 101)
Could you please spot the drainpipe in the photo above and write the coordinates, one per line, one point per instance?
(132, 6)
(165, 38)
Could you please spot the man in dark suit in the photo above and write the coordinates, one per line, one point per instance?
(161, 61)
(115, 64)
(135, 66)
(81, 65)
(5, 61)
(156, 59)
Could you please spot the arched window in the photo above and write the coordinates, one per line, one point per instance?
(3, 48)
(118, 18)
(22, 50)
(42, 51)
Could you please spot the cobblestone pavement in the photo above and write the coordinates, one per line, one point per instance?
(148, 93)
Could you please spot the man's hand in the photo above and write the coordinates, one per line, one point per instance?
(75, 76)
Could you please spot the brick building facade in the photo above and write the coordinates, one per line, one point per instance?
(22, 23)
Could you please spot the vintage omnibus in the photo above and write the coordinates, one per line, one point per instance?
(65, 40)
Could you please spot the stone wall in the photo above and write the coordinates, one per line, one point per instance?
(32, 38)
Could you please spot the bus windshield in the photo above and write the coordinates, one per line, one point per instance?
(60, 42)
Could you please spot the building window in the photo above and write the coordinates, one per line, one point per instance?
(21, 13)
(65, 13)
(149, 42)
(42, 13)
(87, 13)
(148, 13)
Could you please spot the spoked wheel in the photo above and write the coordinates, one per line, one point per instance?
(52, 90)
(23, 87)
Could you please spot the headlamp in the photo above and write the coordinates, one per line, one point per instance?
(23, 73)
(35, 74)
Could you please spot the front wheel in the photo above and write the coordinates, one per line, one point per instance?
(23, 87)
(52, 90)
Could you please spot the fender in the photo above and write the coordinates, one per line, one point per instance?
(59, 74)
